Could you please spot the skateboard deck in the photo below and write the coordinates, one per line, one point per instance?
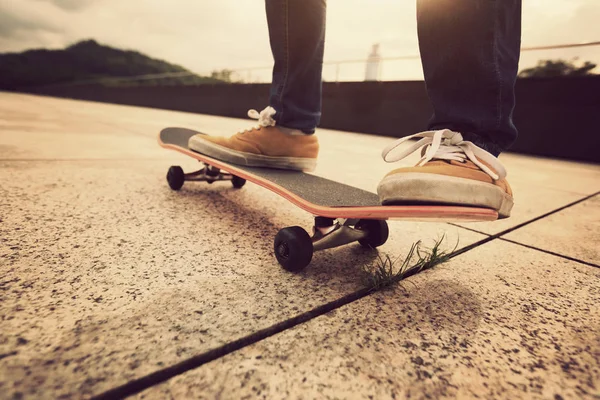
(324, 197)
(343, 214)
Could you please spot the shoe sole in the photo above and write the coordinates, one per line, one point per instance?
(417, 187)
(250, 159)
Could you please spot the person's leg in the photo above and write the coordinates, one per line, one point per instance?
(283, 137)
(470, 53)
(297, 35)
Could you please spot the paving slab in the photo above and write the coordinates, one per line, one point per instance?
(541, 186)
(529, 204)
(498, 322)
(573, 232)
(571, 176)
(108, 275)
(29, 126)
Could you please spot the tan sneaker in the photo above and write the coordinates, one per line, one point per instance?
(451, 172)
(262, 146)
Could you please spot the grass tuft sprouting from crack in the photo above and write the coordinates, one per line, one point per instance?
(384, 272)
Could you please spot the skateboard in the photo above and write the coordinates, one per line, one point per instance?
(342, 213)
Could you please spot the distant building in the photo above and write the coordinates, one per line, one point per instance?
(373, 64)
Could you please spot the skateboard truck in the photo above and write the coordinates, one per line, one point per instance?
(294, 248)
(341, 232)
(176, 177)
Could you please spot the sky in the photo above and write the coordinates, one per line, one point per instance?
(207, 35)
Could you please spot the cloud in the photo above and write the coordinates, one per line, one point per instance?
(70, 5)
(14, 21)
(10, 24)
(23, 26)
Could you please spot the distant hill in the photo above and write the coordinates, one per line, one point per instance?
(87, 61)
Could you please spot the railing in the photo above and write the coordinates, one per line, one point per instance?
(246, 74)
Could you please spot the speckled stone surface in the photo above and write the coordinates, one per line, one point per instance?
(108, 275)
(498, 322)
(573, 232)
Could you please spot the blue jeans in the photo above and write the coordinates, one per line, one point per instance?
(469, 50)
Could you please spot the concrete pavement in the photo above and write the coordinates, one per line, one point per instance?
(109, 276)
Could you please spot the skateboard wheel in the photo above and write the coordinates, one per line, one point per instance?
(293, 248)
(377, 232)
(237, 182)
(175, 177)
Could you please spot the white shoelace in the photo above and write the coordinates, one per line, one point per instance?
(446, 145)
(265, 118)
